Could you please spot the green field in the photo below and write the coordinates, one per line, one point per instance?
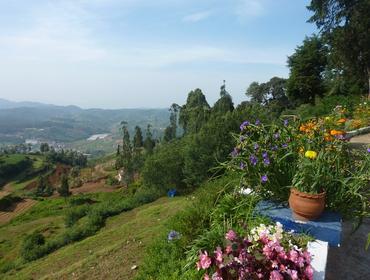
(107, 255)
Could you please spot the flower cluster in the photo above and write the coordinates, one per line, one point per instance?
(262, 255)
(258, 155)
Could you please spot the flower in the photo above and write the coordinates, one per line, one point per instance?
(242, 165)
(230, 235)
(368, 150)
(256, 146)
(253, 159)
(285, 145)
(235, 152)
(206, 277)
(310, 154)
(264, 178)
(286, 122)
(204, 261)
(172, 235)
(258, 122)
(276, 275)
(218, 256)
(266, 161)
(342, 120)
(244, 125)
(336, 132)
(277, 135)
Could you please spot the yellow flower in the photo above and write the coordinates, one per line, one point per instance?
(327, 118)
(301, 150)
(310, 154)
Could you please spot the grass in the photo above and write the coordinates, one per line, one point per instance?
(109, 253)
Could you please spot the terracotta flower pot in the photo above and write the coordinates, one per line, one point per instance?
(306, 206)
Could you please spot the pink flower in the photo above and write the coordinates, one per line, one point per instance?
(216, 276)
(309, 272)
(228, 250)
(293, 256)
(204, 261)
(293, 274)
(275, 275)
(230, 235)
(206, 277)
(218, 256)
(307, 256)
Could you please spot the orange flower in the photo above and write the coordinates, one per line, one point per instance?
(342, 120)
(302, 128)
(327, 137)
(336, 132)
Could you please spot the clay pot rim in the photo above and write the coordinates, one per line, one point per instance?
(295, 191)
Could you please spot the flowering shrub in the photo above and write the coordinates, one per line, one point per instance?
(266, 157)
(267, 253)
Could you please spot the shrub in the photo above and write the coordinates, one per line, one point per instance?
(32, 246)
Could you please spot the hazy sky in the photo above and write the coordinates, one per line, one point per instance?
(143, 53)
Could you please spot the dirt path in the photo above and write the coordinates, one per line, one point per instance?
(18, 208)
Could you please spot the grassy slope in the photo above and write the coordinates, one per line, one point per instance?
(110, 253)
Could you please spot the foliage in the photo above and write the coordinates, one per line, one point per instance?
(68, 157)
(64, 188)
(44, 187)
(163, 169)
(266, 253)
(224, 104)
(171, 130)
(31, 246)
(306, 66)
(265, 157)
(11, 165)
(95, 214)
(194, 114)
(138, 138)
(344, 26)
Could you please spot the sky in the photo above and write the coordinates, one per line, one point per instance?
(143, 53)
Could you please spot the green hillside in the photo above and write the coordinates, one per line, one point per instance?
(111, 252)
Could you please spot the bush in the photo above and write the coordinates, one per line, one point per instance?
(32, 246)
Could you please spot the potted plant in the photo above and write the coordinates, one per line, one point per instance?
(307, 196)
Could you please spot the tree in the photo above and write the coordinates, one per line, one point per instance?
(43, 186)
(171, 130)
(64, 188)
(225, 103)
(44, 148)
(307, 66)
(138, 138)
(345, 26)
(125, 158)
(194, 114)
(149, 142)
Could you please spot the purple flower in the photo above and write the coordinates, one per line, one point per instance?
(242, 165)
(277, 135)
(274, 148)
(242, 138)
(368, 150)
(256, 146)
(253, 159)
(258, 122)
(264, 155)
(244, 125)
(285, 145)
(266, 161)
(286, 122)
(173, 235)
(235, 152)
(264, 178)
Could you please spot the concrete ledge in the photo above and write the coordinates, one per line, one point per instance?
(319, 252)
(327, 228)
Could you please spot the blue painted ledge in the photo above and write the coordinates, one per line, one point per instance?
(326, 228)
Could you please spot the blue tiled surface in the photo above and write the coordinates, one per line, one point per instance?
(327, 228)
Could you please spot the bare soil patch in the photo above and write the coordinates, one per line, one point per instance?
(16, 209)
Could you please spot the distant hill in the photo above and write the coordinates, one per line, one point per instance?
(6, 104)
(28, 120)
